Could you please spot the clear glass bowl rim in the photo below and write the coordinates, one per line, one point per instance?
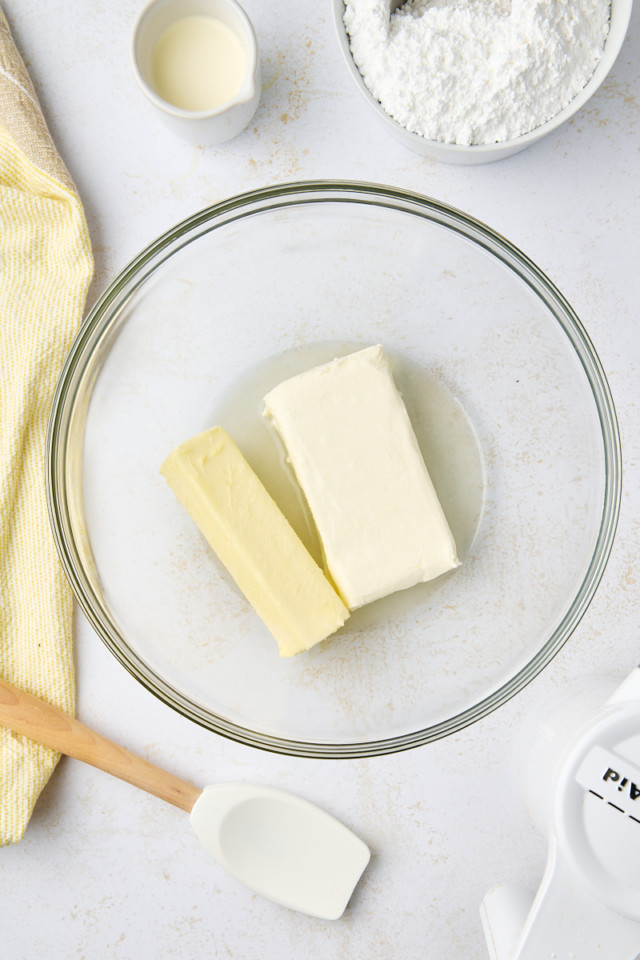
(97, 324)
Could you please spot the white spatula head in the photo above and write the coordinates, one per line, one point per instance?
(281, 846)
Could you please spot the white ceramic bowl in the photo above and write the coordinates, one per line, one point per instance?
(485, 153)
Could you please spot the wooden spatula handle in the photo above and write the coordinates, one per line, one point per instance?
(40, 721)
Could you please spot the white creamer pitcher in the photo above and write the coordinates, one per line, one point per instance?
(224, 118)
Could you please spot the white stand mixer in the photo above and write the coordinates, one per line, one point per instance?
(582, 780)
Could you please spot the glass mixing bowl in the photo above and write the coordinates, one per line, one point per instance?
(510, 406)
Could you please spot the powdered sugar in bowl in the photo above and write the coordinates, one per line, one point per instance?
(473, 101)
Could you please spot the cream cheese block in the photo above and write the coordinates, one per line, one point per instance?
(254, 541)
(350, 442)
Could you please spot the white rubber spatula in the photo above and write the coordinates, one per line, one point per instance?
(277, 844)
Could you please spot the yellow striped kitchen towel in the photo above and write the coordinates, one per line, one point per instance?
(45, 270)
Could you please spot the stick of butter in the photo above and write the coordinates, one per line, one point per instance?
(254, 541)
(351, 444)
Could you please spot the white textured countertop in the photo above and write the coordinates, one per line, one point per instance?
(106, 872)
